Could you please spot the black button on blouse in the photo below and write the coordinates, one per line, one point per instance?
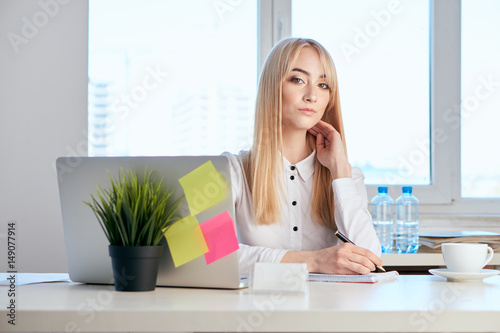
(295, 228)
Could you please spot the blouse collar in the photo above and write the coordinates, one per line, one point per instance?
(305, 168)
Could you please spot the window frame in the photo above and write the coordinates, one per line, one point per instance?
(443, 195)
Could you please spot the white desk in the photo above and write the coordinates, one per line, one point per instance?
(413, 303)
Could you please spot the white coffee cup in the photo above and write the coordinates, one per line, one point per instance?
(466, 258)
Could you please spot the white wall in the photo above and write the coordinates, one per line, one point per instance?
(43, 115)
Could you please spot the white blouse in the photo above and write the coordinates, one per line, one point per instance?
(296, 231)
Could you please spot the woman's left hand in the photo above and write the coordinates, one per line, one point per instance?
(330, 150)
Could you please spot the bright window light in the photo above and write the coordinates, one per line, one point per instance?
(381, 52)
(479, 111)
(171, 77)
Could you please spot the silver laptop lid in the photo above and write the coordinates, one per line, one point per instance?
(86, 245)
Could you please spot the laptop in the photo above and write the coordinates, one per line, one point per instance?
(87, 246)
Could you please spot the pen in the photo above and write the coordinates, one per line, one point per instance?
(347, 240)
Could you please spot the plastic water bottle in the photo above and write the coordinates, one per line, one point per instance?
(382, 214)
(407, 222)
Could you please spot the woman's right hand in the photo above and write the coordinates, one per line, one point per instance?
(344, 258)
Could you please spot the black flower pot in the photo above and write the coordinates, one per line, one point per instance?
(135, 268)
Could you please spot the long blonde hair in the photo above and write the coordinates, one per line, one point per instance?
(264, 164)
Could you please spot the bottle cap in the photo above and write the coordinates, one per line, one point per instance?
(382, 189)
(407, 189)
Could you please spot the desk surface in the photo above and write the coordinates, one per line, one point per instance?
(413, 303)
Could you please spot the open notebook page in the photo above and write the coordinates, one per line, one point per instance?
(369, 278)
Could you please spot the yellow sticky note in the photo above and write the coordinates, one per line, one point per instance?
(185, 240)
(203, 187)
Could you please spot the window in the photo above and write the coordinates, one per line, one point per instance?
(171, 77)
(175, 77)
(480, 102)
(381, 52)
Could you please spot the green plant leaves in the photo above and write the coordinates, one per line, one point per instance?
(132, 212)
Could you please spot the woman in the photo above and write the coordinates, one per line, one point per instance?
(295, 187)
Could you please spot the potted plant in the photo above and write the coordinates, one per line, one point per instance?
(133, 214)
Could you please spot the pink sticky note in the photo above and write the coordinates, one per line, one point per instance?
(220, 236)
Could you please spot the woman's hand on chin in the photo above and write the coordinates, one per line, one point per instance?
(330, 150)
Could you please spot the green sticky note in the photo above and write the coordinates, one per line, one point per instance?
(185, 240)
(203, 187)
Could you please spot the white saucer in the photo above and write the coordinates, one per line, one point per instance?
(464, 277)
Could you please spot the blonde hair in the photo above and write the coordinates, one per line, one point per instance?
(263, 164)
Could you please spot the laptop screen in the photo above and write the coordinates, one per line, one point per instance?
(86, 245)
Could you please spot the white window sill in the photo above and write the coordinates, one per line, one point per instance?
(431, 223)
